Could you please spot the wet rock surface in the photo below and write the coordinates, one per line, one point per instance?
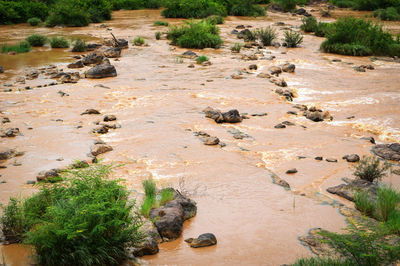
(47, 174)
(104, 70)
(387, 151)
(231, 116)
(203, 240)
(100, 148)
(352, 186)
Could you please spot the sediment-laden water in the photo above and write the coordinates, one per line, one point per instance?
(158, 101)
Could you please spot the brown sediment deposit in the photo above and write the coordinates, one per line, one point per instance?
(159, 104)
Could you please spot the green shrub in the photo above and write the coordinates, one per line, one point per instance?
(389, 13)
(287, 5)
(148, 204)
(20, 11)
(36, 40)
(364, 204)
(387, 202)
(86, 220)
(79, 46)
(343, 3)
(293, 39)
(149, 188)
(250, 35)
(59, 42)
(138, 41)
(201, 59)
(309, 24)
(158, 35)
(322, 262)
(236, 47)
(195, 35)
(393, 223)
(215, 19)
(266, 35)
(34, 21)
(353, 36)
(323, 29)
(246, 8)
(193, 9)
(370, 169)
(160, 23)
(22, 47)
(365, 244)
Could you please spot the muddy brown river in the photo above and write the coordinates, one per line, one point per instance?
(158, 101)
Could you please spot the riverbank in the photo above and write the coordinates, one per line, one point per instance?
(158, 101)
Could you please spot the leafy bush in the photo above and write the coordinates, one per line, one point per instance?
(266, 35)
(36, 40)
(201, 59)
(389, 13)
(323, 29)
(250, 35)
(352, 36)
(246, 8)
(138, 41)
(34, 21)
(287, 5)
(343, 3)
(193, 9)
(77, 13)
(19, 11)
(365, 245)
(160, 23)
(158, 35)
(22, 47)
(236, 47)
(86, 220)
(192, 34)
(370, 169)
(293, 39)
(215, 19)
(309, 24)
(79, 46)
(59, 42)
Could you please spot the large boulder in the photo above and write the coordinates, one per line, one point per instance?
(100, 148)
(94, 58)
(204, 240)
(101, 71)
(169, 218)
(6, 154)
(388, 151)
(231, 116)
(112, 52)
(77, 64)
(352, 186)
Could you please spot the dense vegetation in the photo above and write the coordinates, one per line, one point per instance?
(352, 36)
(191, 34)
(385, 9)
(21, 47)
(84, 220)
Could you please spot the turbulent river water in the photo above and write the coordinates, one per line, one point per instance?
(158, 101)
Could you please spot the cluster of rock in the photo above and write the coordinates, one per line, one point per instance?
(207, 139)
(387, 151)
(314, 114)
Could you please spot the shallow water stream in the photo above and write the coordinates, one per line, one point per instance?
(158, 101)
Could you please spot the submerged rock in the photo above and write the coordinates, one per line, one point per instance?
(6, 154)
(100, 148)
(388, 151)
(352, 158)
(91, 112)
(204, 240)
(10, 132)
(288, 68)
(279, 181)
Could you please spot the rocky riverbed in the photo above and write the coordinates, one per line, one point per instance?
(269, 116)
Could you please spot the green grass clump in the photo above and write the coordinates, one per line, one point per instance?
(364, 204)
(293, 39)
(393, 223)
(21, 47)
(79, 46)
(309, 24)
(36, 40)
(152, 199)
(215, 19)
(193, 9)
(193, 34)
(353, 36)
(160, 23)
(157, 35)
(266, 35)
(201, 59)
(34, 21)
(323, 29)
(59, 42)
(166, 196)
(139, 41)
(319, 261)
(250, 35)
(236, 47)
(390, 13)
(370, 169)
(85, 220)
(386, 203)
